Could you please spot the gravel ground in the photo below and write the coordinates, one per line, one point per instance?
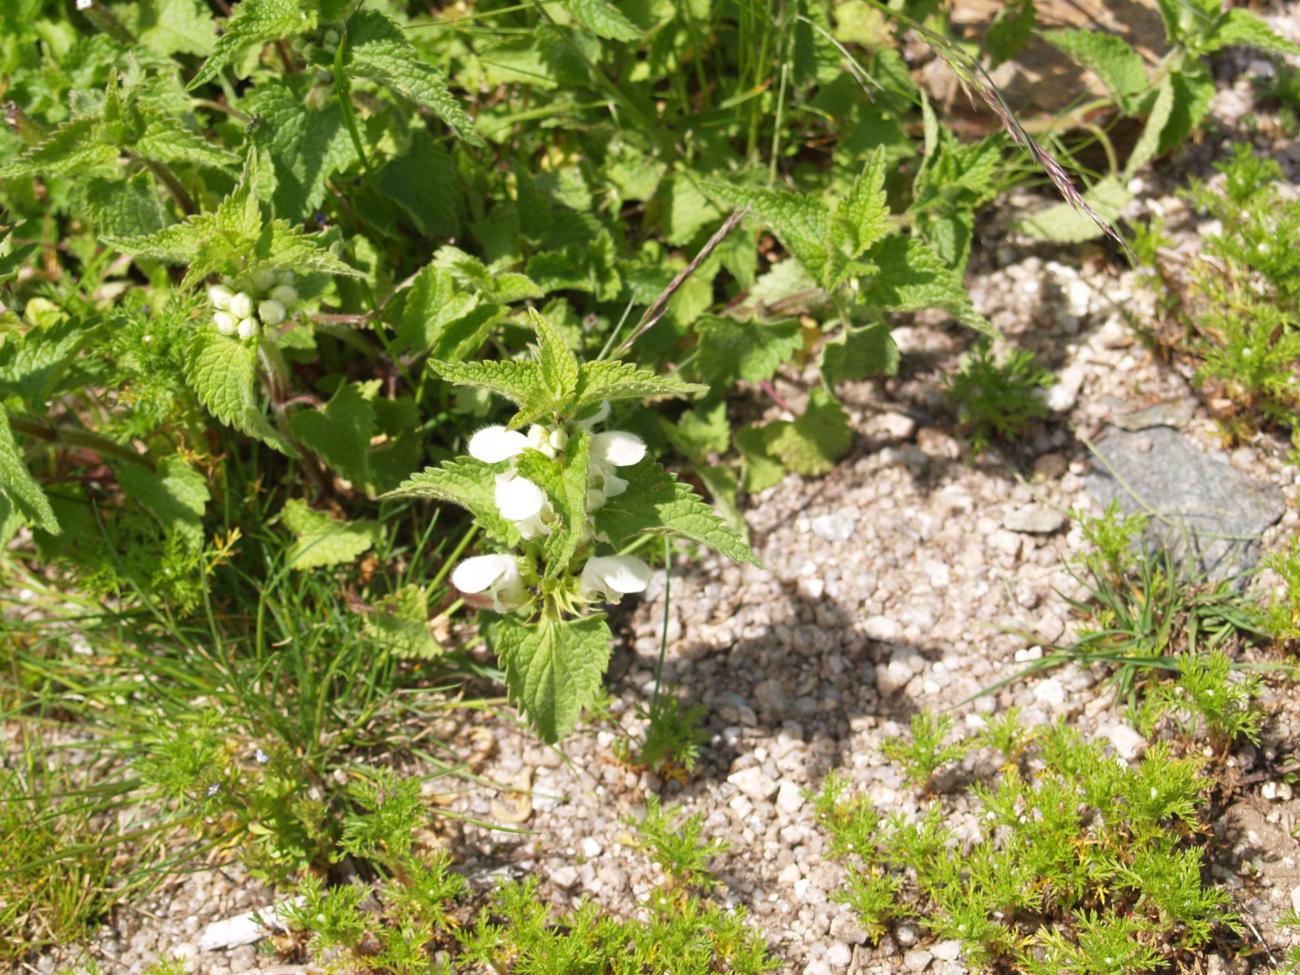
(912, 576)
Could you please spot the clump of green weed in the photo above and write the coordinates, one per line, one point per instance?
(677, 844)
(1283, 612)
(1240, 306)
(673, 737)
(926, 749)
(1150, 618)
(998, 398)
(1207, 693)
(1088, 865)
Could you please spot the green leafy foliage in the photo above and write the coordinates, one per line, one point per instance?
(998, 398)
(321, 539)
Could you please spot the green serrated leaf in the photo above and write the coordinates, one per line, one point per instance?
(1148, 143)
(564, 481)
(339, 433)
(615, 380)
(700, 432)
(306, 145)
(656, 502)
(125, 208)
(1245, 29)
(1064, 223)
(223, 373)
(1010, 31)
(425, 183)
(911, 276)
(400, 625)
(762, 470)
(168, 27)
(603, 19)
(467, 482)
(18, 485)
(1120, 68)
(434, 317)
(167, 140)
(255, 22)
(731, 350)
(860, 353)
(323, 539)
(175, 494)
(799, 220)
(862, 218)
(553, 668)
(76, 146)
(519, 382)
(378, 50)
(812, 444)
(559, 366)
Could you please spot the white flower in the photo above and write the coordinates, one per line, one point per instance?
(241, 305)
(225, 322)
(611, 577)
(495, 444)
(614, 448)
(523, 502)
(263, 278)
(247, 328)
(271, 312)
(602, 412)
(494, 579)
(618, 448)
(285, 294)
(220, 296)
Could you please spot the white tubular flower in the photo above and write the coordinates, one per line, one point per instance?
(490, 582)
(263, 278)
(247, 328)
(618, 448)
(220, 297)
(241, 305)
(492, 445)
(225, 322)
(614, 448)
(271, 312)
(285, 294)
(523, 502)
(611, 577)
(543, 440)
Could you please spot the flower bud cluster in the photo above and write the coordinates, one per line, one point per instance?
(244, 305)
(495, 581)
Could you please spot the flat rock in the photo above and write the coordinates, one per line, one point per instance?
(1034, 519)
(1207, 513)
(242, 929)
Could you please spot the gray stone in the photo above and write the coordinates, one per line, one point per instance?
(1208, 514)
(1034, 519)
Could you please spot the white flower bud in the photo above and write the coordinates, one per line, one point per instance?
(247, 328)
(494, 444)
(539, 438)
(225, 322)
(611, 577)
(241, 305)
(496, 575)
(220, 296)
(263, 278)
(271, 312)
(285, 294)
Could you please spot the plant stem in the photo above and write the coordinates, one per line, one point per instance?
(74, 437)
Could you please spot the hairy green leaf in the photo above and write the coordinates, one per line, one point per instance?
(614, 380)
(553, 668)
(255, 22)
(17, 484)
(323, 539)
(306, 145)
(400, 624)
(603, 19)
(862, 218)
(467, 482)
(860, 353)
(799, 220)
(731, 350)
(74, 147)
(1245, 29)
(911, 276)
(378, 50)
(223, 373)
(176, 495)
(1120, 68)
(564, 480)
(812, 444)
(656, 502)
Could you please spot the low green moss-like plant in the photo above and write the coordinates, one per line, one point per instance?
(1084, 864)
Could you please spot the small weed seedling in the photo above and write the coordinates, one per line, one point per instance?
(997, 399)
(677, 844)
(927, 748)
(1083, 865)
(673, 737)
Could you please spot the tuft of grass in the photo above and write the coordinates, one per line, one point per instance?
(677, 844)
